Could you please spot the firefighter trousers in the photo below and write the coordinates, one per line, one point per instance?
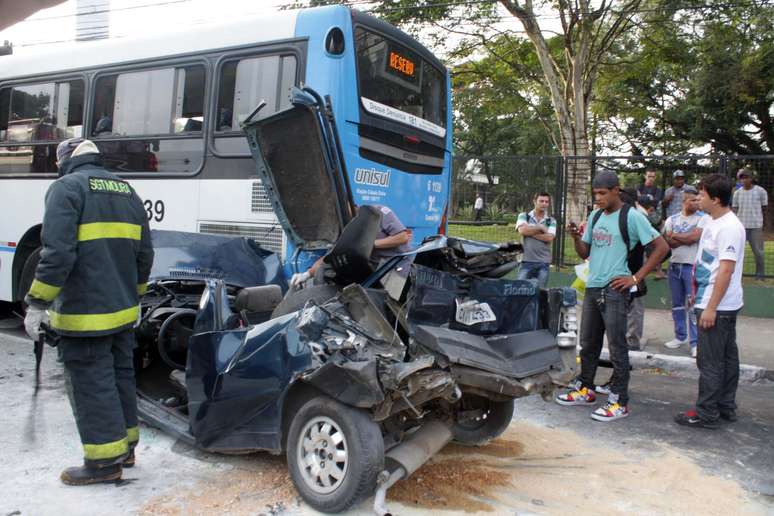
(99, 376)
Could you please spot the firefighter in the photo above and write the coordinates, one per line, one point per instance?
(94, 265)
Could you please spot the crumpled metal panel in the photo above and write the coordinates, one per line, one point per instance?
(239, 262)
(237, 381)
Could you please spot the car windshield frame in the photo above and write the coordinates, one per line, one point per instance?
(403, 69)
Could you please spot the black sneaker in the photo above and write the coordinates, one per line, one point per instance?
(729, 416)
(691, 418)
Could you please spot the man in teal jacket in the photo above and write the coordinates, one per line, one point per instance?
(94, 265)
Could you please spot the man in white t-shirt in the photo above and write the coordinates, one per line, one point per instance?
(682, 232)
(478, 206)
(718, 281)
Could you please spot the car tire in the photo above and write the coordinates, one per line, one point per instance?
(354, 450)
(295, 301)
(495, 420)
(27, 276)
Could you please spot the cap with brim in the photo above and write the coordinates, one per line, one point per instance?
(744, 172)
(678, 173)
(605, 179)
(690, 189)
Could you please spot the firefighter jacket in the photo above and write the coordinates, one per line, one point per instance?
(97, 252)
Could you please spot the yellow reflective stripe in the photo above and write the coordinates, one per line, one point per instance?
(142, 288)
(96, 230)
(93, 322)
(106, 451)
(43, 291)
(133, 434)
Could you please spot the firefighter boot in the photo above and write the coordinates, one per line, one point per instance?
(129, 460)
(88, 474)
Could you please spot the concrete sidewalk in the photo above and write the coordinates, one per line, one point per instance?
(754, 335)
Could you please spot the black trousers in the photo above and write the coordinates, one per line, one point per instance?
(101, 386)
(605, 311)
(718, 362)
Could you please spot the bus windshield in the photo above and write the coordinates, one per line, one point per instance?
(398, 84)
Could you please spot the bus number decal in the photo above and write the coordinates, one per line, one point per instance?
(155, 210)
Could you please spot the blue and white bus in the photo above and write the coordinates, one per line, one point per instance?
(165, 112)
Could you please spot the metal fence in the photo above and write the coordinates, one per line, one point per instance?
(508, 183)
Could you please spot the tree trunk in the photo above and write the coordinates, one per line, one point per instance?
(578, 178)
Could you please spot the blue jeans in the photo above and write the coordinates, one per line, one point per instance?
(680, 283)
(534, 270)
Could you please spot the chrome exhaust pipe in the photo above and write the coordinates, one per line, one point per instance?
(407, 457)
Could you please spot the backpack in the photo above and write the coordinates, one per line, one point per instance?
(636, 255)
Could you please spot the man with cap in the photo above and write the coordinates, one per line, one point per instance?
(749, 203)
(673, 197)
(682, 232)
(609, 290)
(94, 265)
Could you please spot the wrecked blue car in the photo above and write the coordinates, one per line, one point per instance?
(362, 377)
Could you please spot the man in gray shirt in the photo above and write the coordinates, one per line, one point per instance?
(538, 230)
(749, 203)
(673, 197)
(682, 232)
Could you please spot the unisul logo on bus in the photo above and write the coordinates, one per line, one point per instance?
(371, 176)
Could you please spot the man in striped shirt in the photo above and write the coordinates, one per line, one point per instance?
(749, 203)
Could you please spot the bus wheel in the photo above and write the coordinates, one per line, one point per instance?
(27, 275)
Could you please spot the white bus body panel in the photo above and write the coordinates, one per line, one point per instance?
(75, 56)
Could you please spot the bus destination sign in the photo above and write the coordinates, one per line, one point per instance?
(402, 64)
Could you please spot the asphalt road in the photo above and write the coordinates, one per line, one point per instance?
(552, 460)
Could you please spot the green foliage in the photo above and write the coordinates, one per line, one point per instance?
(464, 213)
(690, 79)
(499, 111)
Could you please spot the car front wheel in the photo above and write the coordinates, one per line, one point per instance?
(335, 453)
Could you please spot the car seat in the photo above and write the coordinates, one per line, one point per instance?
(350, 257)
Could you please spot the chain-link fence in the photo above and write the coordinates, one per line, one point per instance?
(507, 185)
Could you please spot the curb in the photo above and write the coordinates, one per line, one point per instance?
(686, 366)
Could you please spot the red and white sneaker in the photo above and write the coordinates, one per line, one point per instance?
(577, 396)
(610, 411)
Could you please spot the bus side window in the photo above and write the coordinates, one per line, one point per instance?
(189, 100)
(104, 100)
(37, 116)
(5, 108)
(247, 82)
(69, 114)
(140, 116)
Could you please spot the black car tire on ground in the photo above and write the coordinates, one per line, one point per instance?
(477, 433)
(362, 452)
(27, 275)
(296, 300)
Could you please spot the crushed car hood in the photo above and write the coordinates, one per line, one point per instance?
(239, 262)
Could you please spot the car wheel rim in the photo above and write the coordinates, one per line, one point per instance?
(322, 455)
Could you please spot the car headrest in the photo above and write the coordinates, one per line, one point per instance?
(258, 299)
(350, 256)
